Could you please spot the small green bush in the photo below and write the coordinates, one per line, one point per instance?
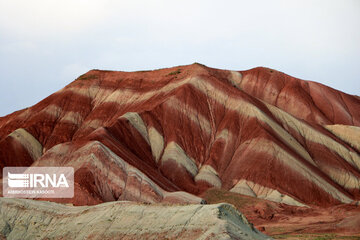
(174, 72)
(87, 77)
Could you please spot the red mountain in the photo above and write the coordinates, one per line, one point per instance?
(168, 135)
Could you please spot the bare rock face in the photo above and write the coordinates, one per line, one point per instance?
(28, 219)
(103, 176)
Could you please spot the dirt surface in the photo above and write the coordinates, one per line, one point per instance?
(282, 221)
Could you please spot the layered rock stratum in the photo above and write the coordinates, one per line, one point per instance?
(29, 219)
(169, 135)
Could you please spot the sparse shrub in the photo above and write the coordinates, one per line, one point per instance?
(175, 72)
(87, 77)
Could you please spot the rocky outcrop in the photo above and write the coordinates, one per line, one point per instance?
(103, 176)
(28, 219)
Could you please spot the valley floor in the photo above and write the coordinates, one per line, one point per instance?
(282, 221)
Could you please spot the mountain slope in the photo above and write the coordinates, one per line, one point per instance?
(259, 132)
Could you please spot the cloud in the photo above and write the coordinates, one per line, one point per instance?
(19, 47)
(49, 18)
(72, 71)
(54, 41)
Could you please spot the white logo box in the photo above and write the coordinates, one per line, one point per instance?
(38, 182)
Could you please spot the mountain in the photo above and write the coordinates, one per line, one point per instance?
(170, 135)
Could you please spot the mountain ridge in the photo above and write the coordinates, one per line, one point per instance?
(260, 114)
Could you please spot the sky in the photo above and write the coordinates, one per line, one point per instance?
(46, 44)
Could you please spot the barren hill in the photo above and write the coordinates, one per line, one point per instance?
(168, 135)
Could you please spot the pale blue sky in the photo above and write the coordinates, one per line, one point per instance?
(46, 44)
